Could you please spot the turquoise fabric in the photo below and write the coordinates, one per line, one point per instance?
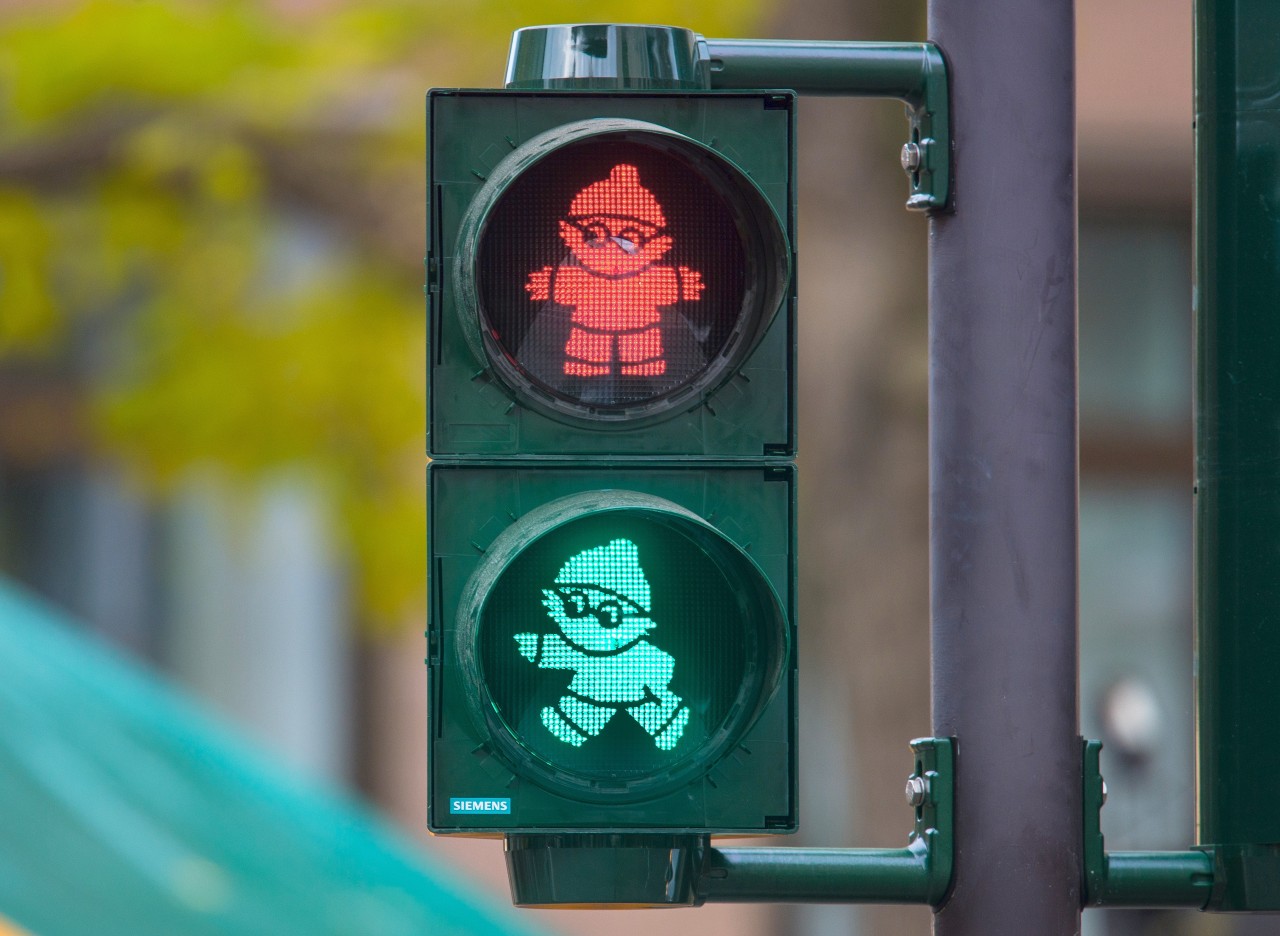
(124, 809)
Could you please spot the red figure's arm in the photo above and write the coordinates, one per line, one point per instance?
(539, 285)
(574, 286)
(691, 283)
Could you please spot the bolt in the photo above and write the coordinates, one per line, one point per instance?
(910, 157)
(1104, 792)
(917, 790)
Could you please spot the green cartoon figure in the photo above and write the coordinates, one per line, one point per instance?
(600, 603)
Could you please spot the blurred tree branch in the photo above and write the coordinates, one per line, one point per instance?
(51, 161)
(211, 224)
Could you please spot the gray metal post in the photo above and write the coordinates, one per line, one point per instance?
(1003, 467)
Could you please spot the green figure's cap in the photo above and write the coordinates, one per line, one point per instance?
(614, 568)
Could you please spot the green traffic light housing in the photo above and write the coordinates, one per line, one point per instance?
(621, 656)
(611, 418)
(605, 261)
(671, 638)
(613, 272)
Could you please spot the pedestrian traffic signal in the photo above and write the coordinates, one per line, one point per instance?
(611, 421)
(612, 660)
(611, 261)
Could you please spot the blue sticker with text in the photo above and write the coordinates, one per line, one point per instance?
(464, 804)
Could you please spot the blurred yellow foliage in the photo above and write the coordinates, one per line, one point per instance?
(225, 197)
(29, 315)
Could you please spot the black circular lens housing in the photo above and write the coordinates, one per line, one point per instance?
(613, 272)
(615, 645)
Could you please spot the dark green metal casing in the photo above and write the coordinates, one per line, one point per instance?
(1238, 446)
(474, 509)
(471, 413)
(608, 56)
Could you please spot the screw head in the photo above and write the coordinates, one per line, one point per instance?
(917, 790)
(1104, 792)
(910, 157)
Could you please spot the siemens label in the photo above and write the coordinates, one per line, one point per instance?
(460, 804)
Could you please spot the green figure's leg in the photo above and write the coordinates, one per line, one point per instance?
(664, 717)
(574, 719)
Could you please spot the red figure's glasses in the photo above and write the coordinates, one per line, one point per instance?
(613, 273)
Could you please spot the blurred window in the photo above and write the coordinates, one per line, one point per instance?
(1135, 522)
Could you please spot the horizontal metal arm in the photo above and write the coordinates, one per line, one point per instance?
(620, 56)
(816, 875)
(901, 70)
(1135, 879)
(1156, 879)
(917, 874)
(913, 72)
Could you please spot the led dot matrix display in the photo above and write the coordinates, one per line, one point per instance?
(600, 607)
(620, 270)
(621, 648)
(610, 344)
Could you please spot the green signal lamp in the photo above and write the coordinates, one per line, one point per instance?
(614, 653)
(614, 645)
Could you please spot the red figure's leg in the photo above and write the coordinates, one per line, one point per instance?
(587, 353)
(641, 353)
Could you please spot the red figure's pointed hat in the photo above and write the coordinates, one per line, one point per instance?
(620, 196)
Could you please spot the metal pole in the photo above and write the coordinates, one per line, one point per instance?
(1003, 468)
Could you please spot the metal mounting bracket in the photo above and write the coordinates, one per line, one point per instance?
(618, 56)
(913, 72)
(917, 874)
(934, 830)
(1135, 879)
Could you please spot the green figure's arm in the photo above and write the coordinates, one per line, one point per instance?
(549, 651)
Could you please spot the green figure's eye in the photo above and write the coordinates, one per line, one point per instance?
(609, 613)
(575, 604)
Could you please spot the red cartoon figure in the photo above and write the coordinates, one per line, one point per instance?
(614, 281)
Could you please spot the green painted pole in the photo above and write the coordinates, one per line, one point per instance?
(1237, 408)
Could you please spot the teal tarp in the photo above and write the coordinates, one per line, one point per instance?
(126, 810)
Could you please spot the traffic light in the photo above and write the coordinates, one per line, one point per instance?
(611, 636)
(618, 656)
(610, 274)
